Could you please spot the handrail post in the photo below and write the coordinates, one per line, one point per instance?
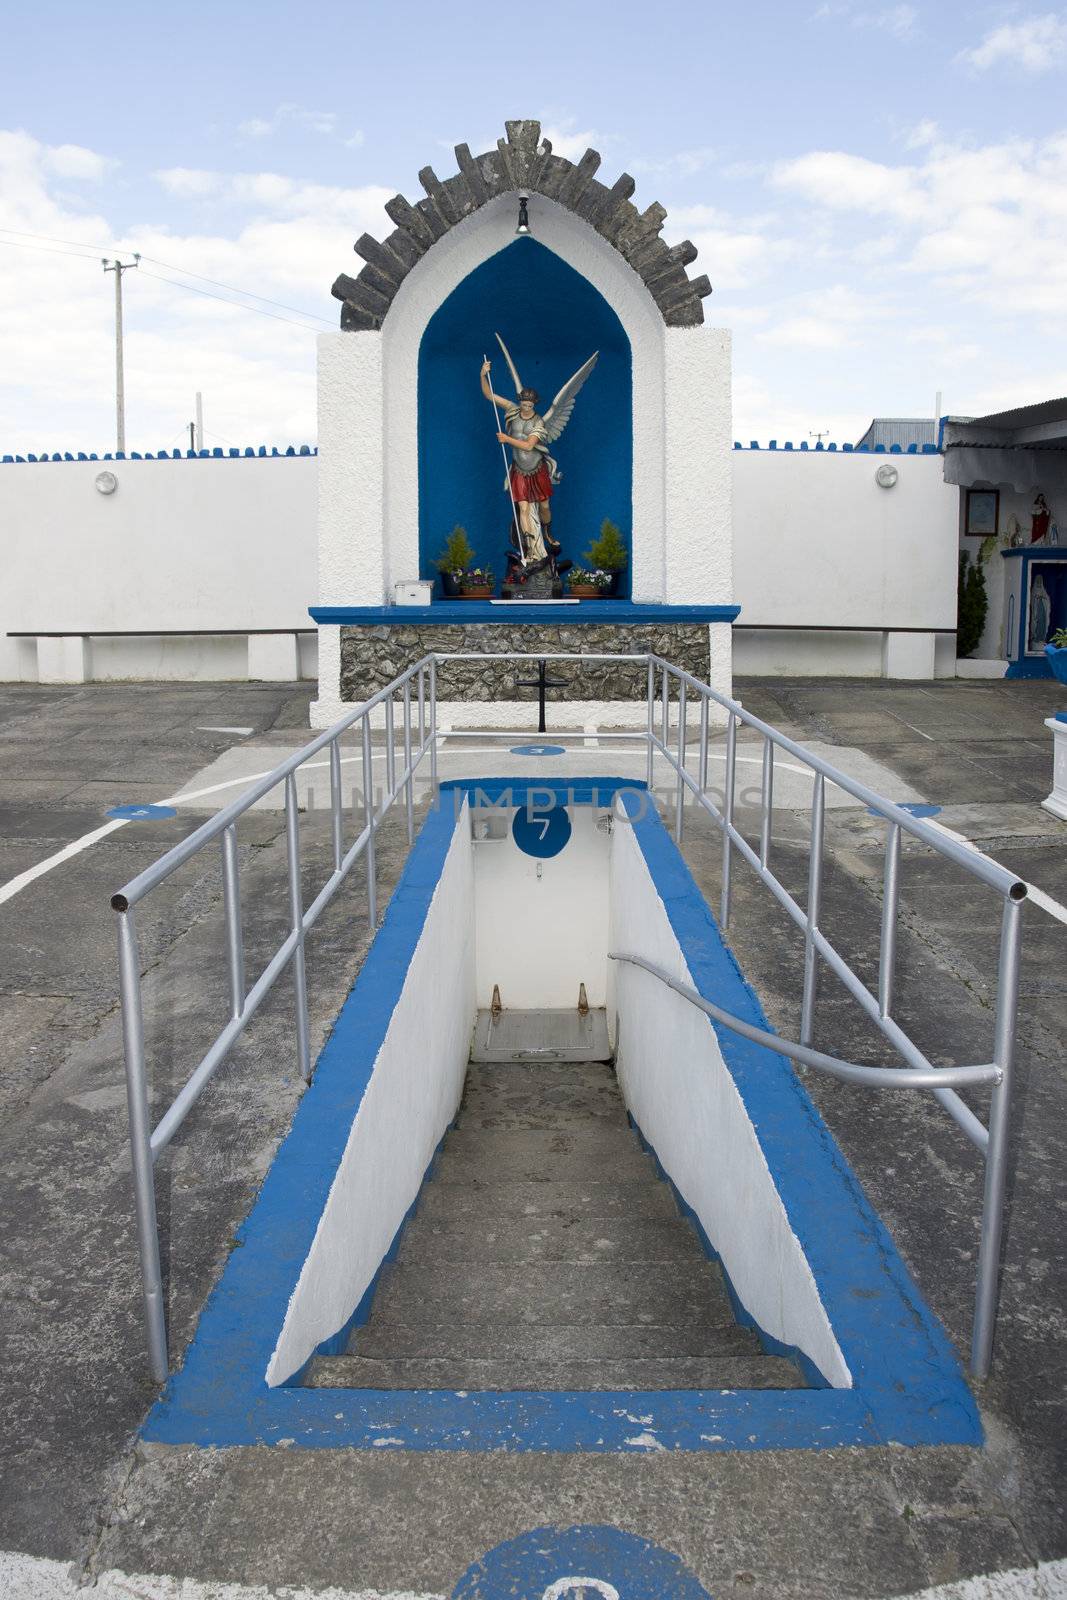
(408, 799)
(296, 914)
(651, 721)
(422, 709)
(811, 959)
(665, 720)
(702, 773)
(728, 817)
(887, 958)
(996, 1166)
(336, 804)
(370, 822)
(390, 752)
(766, 801)
(231, 897)
(433, 731)
(679, 804)
(144, 1188)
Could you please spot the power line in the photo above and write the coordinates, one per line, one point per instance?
(90, 252)
(192, 288)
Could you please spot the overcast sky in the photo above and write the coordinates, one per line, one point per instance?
(878, 192)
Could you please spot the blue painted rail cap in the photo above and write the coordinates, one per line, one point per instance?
(585, 612)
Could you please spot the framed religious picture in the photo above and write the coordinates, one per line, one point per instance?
(983, 510)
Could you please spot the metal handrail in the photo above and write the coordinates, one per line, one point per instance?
(992, 1138)
(846, 1071)
(148, 1143)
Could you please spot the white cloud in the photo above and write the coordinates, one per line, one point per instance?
(569, 141)
(189, 182)
(923, 133)
(683, 164)
(289, 113)
(74, 161)
(899, 20)
(1037, 44)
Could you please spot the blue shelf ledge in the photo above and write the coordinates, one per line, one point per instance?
(567, 616)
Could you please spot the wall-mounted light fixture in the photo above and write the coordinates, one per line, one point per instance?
(886, 476)
(524, 215)
(106, 482)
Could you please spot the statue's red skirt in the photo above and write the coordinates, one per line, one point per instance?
(531, 485)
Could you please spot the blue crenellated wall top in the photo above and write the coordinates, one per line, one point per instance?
(841, 449)
(215, 454)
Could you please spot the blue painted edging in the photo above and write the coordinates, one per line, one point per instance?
(586, 611)
(908, 1386)
(903, 1367)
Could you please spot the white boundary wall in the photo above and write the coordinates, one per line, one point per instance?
(231, 543)
(682, 1096)
(413, 1094)
(818, 541)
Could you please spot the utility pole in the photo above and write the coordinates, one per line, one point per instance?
(199, 420)
(820, 436)
(118, 268)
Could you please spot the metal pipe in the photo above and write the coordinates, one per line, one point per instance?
(847, 1071)
(409, 804)
(728, 817)
(702, 767)
(651, 709)
(679, 807)
(766, 801)
(390, 750)
(144, 1190)
(996, 1170)
(296, 916)
(433, 729)
(665, 717)
(422, 710)
(887, 958)
(231, 897)
(336, 804)
(963, 854)
(811, 960)
(138, 887)
(370, 821)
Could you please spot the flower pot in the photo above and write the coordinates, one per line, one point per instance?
(616, 584)
(449, 586)
(586, 591)
(1057, 660)
(483, 592)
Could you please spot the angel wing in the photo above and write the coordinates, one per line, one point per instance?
(558, 414)
(516, 380)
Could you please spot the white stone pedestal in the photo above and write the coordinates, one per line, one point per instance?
(1057, 800)
(908, 655)
(274, 657)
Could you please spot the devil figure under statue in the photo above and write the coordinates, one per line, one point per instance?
(533, 473)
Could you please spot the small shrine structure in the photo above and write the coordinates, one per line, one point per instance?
(527, 245)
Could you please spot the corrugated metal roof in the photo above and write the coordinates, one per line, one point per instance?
(899, 430)
(1027, 416)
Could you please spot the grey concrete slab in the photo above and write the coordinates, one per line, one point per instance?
(677, 1372)
(843, 1523)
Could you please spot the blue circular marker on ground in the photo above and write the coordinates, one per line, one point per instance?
(541, 831)
(538, 750)
(583, 1563)
(142, 813)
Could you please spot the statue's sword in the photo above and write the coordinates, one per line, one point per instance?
(507, 476)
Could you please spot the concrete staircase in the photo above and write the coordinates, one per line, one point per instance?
(545, 1253)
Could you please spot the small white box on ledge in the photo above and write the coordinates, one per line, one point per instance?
(413, 592)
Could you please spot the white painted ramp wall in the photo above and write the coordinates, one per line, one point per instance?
(680, 1092)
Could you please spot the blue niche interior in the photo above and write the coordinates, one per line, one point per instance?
(552, 319)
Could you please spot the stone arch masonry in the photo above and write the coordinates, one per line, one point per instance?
(522, 161)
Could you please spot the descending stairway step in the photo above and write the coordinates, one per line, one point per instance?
(608, 1292)
(531, 1155)
(503, 1097)
(731, 1372)
(570, 1197)
(555, 1237)
(508, 1341)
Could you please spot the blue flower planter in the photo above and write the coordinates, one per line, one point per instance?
(1057, 660)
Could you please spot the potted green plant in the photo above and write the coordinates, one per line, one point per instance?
(588, 583)
(476, 583)
(1056, 654)
(608, 553)
(455, 559)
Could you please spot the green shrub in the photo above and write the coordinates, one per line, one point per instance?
(608, 553)
(458, 553)
(971, 605)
